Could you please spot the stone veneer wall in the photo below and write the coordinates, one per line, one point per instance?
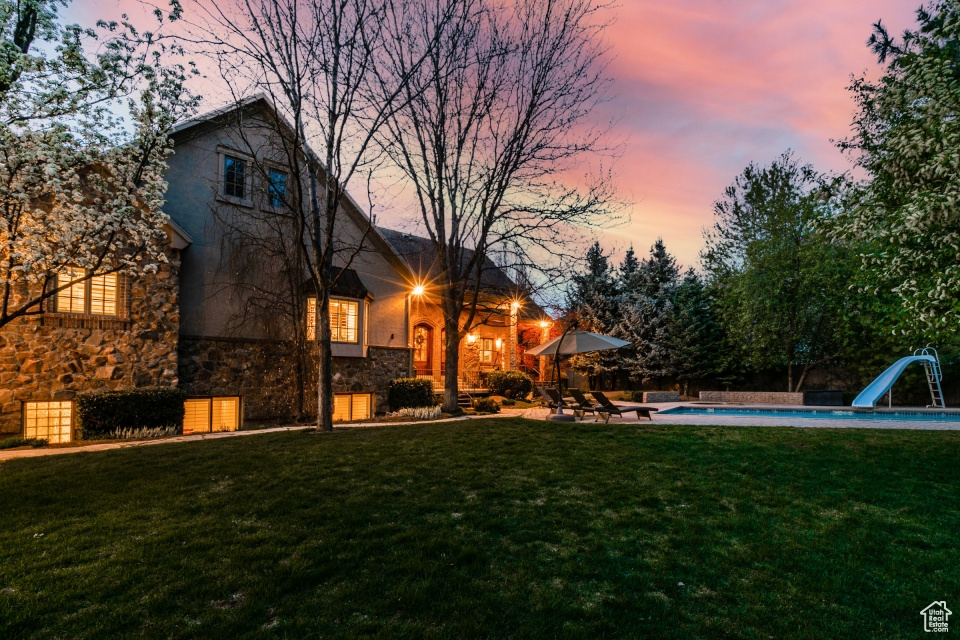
(752, 397)
(55, 356)
(262, 372)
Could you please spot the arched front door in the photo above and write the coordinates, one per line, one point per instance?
(423, 349)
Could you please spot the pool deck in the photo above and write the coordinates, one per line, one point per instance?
(769, 421)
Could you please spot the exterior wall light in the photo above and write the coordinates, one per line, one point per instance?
(418, 290)
(499, 343)
(544, 324)
(471, 338)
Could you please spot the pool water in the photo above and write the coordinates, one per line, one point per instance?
(828, 414)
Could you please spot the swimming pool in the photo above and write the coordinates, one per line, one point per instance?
(828, 414)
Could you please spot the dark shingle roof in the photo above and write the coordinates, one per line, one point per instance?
(420, 255)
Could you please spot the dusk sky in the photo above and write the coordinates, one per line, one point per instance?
(703, 87)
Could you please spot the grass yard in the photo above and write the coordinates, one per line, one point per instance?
(487, 529)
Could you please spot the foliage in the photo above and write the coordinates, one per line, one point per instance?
(645, 311)
(546, 531)
(906, 137)
(780, 285)
(410, 392)
(594, 300)
(695, 339)
(511, 384)
(486, 405)
(13, 443)
(108, 414)
(80, 187)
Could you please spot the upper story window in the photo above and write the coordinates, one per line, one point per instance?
(486, 350)
(234, 177)
(276, 188)
(96, 296)
(344, 319)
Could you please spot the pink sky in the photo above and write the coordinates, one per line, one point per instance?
(703, 87)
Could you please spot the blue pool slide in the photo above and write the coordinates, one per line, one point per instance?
(875, 390)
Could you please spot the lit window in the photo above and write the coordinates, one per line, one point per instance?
(50, 421)
(234, 177)
(343, 320)
(97, 295)
(73, 299)
(276, 188)
(204, 415)
(487, 352)
(311, 318)
(351, 406)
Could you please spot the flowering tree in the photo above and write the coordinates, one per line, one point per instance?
(80, 187)
(907, 138)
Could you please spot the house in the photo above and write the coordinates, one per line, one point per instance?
(230, 319)
(935, 617)
(506, 320)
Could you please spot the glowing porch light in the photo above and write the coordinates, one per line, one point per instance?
(499, 342)
(419, 290)
(471, 338)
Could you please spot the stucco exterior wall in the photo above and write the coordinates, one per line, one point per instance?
(212, 303)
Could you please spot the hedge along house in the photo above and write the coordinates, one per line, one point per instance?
(507, 322)
(248, 305)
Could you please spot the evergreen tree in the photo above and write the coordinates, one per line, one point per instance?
(593, 303)
(645, 315)
(695, 336)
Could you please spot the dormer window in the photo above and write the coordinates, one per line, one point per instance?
(234, 177)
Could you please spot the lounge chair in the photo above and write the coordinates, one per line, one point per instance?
(553, 398)
(582, 404)
(606, 408)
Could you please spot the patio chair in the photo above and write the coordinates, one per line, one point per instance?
(553, 398)
(607, 408)
(582, 404)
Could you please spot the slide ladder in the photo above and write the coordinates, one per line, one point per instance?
(934, 376)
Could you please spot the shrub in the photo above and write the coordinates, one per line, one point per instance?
(12, 443)
(486, 405)
(108, 414)
(410, 392)
(421, 413)
(510, 384)
(508, 402)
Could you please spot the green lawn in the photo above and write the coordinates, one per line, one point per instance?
(487, 529)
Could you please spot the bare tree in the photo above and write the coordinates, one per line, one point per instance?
(316, 60)
(491, 122)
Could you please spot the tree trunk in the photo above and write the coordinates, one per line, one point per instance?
(451, 380)
(789, 377)
(325, 365)
(803, 376)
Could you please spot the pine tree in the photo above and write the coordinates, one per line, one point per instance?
(593, 302)
(695, 336)
(645, 315)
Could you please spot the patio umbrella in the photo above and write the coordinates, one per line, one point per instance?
(577, 342)
(569, 343)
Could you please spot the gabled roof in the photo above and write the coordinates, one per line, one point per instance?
(421, 256)
(264, 102)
